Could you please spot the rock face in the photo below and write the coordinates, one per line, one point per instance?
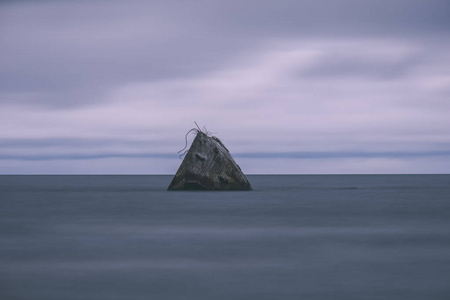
(209, 166)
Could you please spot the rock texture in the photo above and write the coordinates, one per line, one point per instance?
(209, 166)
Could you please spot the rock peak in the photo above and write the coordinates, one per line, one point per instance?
(208, 165)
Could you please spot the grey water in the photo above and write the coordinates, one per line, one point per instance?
(293, 237)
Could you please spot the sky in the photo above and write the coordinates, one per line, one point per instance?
(290, 87)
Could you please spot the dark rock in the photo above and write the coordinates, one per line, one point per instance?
(209, 166)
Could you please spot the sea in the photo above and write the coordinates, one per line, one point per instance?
(293, 237)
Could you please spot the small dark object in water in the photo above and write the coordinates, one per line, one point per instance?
(209, 166)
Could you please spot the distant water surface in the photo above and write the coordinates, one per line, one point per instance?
(294, 237)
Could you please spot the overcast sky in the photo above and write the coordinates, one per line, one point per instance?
(307, 87)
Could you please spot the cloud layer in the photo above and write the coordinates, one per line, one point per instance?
(291, 87)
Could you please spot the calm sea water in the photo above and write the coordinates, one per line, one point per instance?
(294, 237)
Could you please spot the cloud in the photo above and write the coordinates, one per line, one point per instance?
(69, 53)
(108, 81)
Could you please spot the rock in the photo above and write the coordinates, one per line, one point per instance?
(209, 166)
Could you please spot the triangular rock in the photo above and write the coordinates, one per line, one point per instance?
(209, 166)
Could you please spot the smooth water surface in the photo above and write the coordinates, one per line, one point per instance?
(294, 237)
